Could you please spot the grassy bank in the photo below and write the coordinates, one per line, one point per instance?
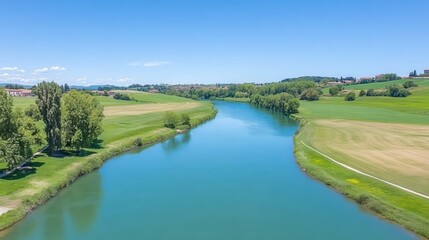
(25, 190)
(382, 136)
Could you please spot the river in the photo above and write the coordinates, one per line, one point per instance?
(234, 177)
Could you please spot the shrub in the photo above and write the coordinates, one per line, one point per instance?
(310, 94)
(362, 199)
(171, 119)
(186, 119)
(122, 96)
(138, 142)
(409, 84)
(397, 91)
(351, 96)
(362, 93)
(334, 91)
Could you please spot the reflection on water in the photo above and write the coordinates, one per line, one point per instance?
(77, 206)
(176, 142)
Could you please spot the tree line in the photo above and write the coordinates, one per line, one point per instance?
(282, 102)
(245, 90)
(281, 96)
(72, 120)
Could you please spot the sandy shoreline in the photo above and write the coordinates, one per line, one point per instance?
(3, 210)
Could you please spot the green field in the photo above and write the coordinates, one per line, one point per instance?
(28, 188)
(382, 136)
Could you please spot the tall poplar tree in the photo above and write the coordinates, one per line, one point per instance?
(49, 103)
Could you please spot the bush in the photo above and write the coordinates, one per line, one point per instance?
(171, 119)
(310, 94)
(138, 142)
(351, 96)
(122, 96)
(362, 199)
(334, 91)
(362, 93)
(186, 119)
(397, 91)
(409, 84)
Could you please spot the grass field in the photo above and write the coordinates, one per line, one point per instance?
(26, 189)
(382, 136)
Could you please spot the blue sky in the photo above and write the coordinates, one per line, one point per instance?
(122, 42)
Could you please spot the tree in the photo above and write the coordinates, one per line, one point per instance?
(33, 112)
(49, 103)
(351, 96)
(66, 88)
(362, 93)
(292, 107)
(6, 106)
(17, 133)
(82, 117)
(335, 90)
(310, 94)
(186, 119)
(171, 119)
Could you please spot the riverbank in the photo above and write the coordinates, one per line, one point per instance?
(23, 191)
(382, 137)
(386, 201)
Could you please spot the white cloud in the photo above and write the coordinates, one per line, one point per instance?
(46, 69)
(57, 68)
(40, 70)
(149, 64)
(12, 69)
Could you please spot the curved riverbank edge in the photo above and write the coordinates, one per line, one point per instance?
(385, 201)
(92, 163)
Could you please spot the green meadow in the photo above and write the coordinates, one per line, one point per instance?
(26, 189)
(366, 134)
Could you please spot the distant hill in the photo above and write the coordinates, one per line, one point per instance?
(96, 87)
(21, 85)
(311, 78)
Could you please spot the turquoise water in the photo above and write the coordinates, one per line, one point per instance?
(234, 177)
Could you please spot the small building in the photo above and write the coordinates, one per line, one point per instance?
(19, 92)
(426, 72)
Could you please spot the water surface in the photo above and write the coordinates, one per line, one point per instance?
(235, 177)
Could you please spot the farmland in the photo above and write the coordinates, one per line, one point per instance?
(382, 136)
